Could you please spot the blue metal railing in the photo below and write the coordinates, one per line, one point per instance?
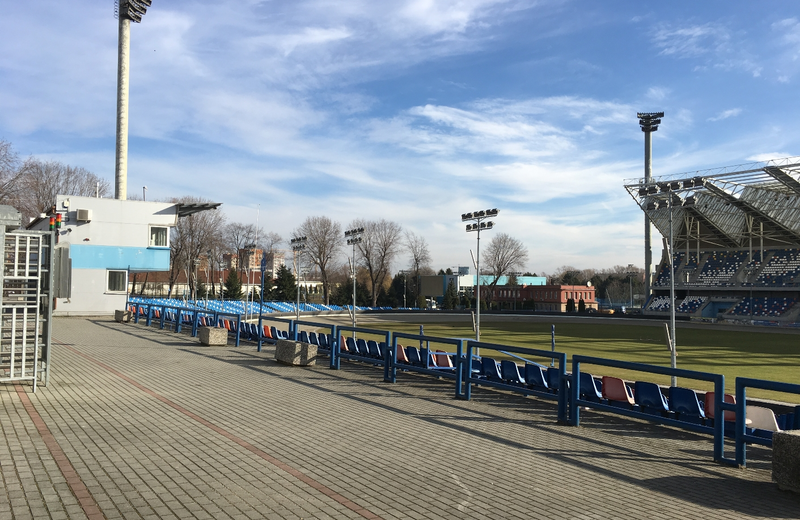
(147, 309)
(336, 348)
(390, 374)
(719, 397)
(742, 437)
(560, 357)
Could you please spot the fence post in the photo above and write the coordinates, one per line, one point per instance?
(719, 418)
(149, 315)
(741, 416)
(163, 315)
(387, 360)
(178, 320)
(562, 388)
(574, 410)
(238, 328)
(460, 369)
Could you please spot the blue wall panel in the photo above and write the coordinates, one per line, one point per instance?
(115, 257)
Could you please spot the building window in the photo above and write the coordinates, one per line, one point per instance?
(118, 281)
(159, 236)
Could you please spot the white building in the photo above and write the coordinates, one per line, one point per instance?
(106, 239)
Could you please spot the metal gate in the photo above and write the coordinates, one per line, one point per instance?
(26, 307)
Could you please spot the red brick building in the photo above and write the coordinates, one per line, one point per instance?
(542, 297)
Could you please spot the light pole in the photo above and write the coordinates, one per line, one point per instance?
(248, 272)
(631, 273)
(298, 244)
(480, 223)
(196, 265)
(128, 11)
(649, 122)
(354, 236)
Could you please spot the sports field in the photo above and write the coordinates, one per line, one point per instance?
(758, 352)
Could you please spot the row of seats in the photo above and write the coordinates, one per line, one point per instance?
(781, 270)
(682, 404)
(757, 306)
(720, 266)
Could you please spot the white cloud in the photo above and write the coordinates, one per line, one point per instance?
(691, 41)
(725, 114)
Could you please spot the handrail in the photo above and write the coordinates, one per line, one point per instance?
(560, 357)
(390, 375)
(742, 437)
(719, 398)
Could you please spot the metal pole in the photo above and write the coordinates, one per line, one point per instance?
(478, 289)
(297, 275)
(673, 353)
(354, 285)
(648, 251)
(123, 68)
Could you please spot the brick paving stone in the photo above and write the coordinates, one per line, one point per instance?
(156, 426)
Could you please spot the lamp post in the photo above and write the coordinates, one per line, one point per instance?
(298, 244)
(128, 11)
(354, 236)
(248, 272)
(631, 273)
(196, 265)
(479, 224)
(648, 121)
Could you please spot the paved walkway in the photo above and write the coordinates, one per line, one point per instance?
(143, 423)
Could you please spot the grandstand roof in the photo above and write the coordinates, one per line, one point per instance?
(729, 207)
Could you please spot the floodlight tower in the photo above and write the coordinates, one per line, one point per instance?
(480, 224)
(298, 245)
(127, 11)
(649, 122)
(354, 236)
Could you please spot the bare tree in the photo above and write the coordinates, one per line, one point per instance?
(417, 248)
(9, 173)
(192, 237)
(238, 236)
(40, 182)
(381, 243)
(323, 246)
(504, 255)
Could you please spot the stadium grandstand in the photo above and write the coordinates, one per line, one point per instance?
(736, 238)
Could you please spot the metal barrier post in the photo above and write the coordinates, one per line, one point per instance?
(574, 409)
(388, 377)
(335, 362)
(178, 319)
(195, 322)
(163, 315)
(460, 369)
(260, 323)
(719, 419)
(238, 328)
(741, 416)
(136, 313)
(562, 388)
(468, 374)
(149, 315)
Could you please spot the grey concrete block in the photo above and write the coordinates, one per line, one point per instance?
(786, 460)
(295, 353)
(213, 336)
(122, 316)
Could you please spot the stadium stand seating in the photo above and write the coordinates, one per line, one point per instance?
(762, 307)
(659, 303)
(691, 304)
(617, 392)
(781, 270)
(719, 267)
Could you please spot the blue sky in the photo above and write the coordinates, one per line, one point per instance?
(411, 110)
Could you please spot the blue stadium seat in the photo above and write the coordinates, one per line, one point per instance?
(491, 370)
(535, 377)
(591, 388)
(413, 356)
(509, 371)
(372, 349)
(686, 405)
(362, 347)
(649, 398)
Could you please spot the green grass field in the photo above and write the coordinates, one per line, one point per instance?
(758, 354)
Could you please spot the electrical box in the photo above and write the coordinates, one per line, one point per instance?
(84, 215)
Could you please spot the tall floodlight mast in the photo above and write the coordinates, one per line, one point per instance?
(649, 122)
(127, 11)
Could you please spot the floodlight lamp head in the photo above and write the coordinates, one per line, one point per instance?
(133, 10)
